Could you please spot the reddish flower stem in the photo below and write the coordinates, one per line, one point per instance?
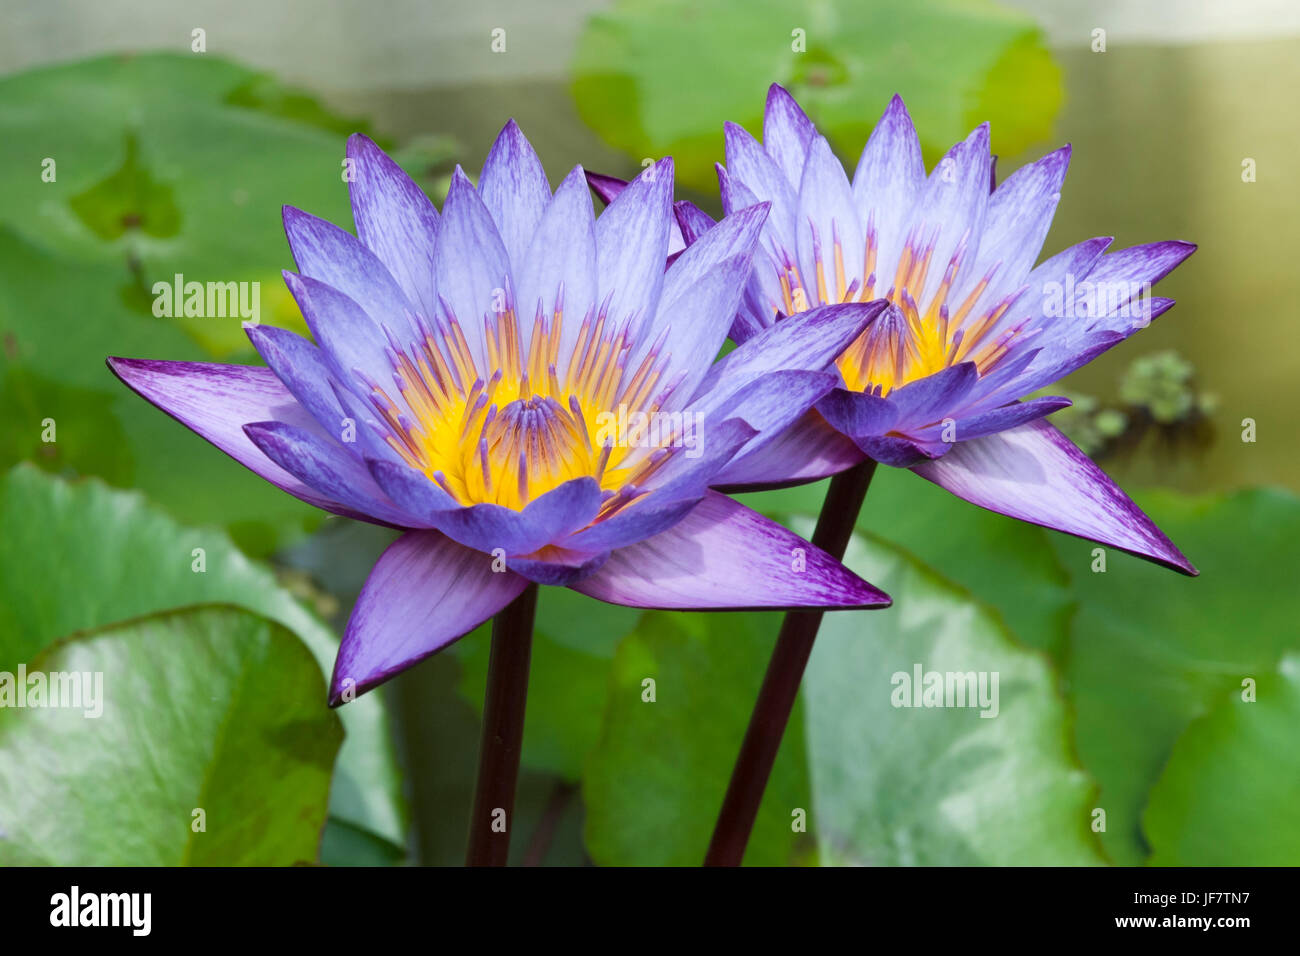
(785, 670)
(503, 732)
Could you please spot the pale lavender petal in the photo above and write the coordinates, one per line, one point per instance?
(1036, 474)
(216, 401)
(951, 206)
(827, 214)
(302, 368)
(326, 253)
(1019, 216)
(472, 267)
(750, 164)
(787, 132)
(423, 593)
(515, 190)
(632, 247)
(887, 183)
(808, 450)
(559, 270)
(322, 464)
(723, 555)
(395, 220)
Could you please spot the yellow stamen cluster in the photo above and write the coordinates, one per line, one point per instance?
(527, 425)
(929, 337)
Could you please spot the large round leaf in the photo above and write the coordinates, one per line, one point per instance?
(988, 777)
(80, 556)
(202, 741)
(1228, 794)
(1151, 651)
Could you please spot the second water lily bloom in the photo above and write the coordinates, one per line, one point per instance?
(523, 389)
(939, 383)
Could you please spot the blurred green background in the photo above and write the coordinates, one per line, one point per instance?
(1122, 692)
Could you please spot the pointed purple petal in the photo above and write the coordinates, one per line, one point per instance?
(322, 464)
(888, 182)
(632, 247)
(338, 259)
(423, 593)
(216, 401)
(515, 191)
(723, 555)
(302, 368)
(787, 132)
(808, 450)
(395, 220)
(1036, 474)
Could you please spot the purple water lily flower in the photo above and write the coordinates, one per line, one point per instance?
(938, 382)
(524, 390)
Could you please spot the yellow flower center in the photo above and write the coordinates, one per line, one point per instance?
(928, 338)
(527, 426)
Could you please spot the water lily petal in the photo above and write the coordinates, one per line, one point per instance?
(1036, 474)
(395, 220)
(787, 132)
(216, 401)
(723, 555)
(515, 190)
(330, 255)
(322, 464)
(632, 247)
(423, 593)
(303, 369)
(808, 450)
(887, 183)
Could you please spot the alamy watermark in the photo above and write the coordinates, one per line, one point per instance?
(1094, 300)
(208, 300)
(66, 690)
(627, 429)
(922, 688)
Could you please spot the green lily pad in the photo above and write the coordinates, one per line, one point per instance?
(655, 782)
(1227, 796)
(79, 556)
(205, 745)
(894, 783)
(659, 77)
(1152, 651)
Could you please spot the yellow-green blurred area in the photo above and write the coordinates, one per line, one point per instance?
(148, 139)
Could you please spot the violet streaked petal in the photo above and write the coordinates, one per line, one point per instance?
(887, 183)
(787, 132)
(692, 221)
(723, 555)
(515, 190)
(632, 247)
(471, 264)
(858, 413)
(560, 267)
(606, 187)
(807, 341)
(336, 258)
(395, 220)
(1036, 474)
(322, 464)
(1008, 416)
(302, 368)
(827, 213)
(216, 401)
(750, 164)
(423, 593)
(951, 207)
(808, 450)
(349, 339)
(1019, 215)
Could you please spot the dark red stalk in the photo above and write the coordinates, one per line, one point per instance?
(785, 670)
(492, 818)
